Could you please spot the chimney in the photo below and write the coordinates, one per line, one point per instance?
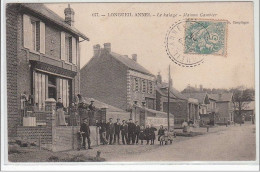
(134, 57)
(96, 49)
(201, 88)
(69, 15)
(107, 47)
(159, 78)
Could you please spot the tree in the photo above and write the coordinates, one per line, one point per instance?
(241, 97)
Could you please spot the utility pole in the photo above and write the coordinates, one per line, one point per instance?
(168, 112)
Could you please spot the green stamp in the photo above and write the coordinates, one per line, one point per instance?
(205, 37)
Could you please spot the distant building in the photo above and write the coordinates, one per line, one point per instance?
(225, 107)
(117, 80)
(182, 107)
(247, 111)
(42, 58)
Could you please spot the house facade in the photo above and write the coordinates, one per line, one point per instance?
(181, 107)
(225, 107)
(43, 58)
(117, 80)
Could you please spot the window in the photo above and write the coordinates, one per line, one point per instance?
(40, 88)
(68, 43)
(136, 84)
(150, 87)
(68, 48)
(144, 86)
(33, 34)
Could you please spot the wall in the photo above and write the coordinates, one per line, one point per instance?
(65, 138)
(104, 78)
(11, 58)
(52, 41)
(223, 112)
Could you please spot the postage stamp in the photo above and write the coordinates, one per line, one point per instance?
(205, 37)
(188, 41)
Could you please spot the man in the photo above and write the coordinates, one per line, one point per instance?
(117, 131)
(110, 131)
(91, 106)
(137, 132)
(102, 132)
(85, 131)
(131, 132)
(124, 131)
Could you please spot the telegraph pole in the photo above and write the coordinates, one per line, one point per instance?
(168, 112)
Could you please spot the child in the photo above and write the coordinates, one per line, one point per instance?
(171, 135)
(147, 134)
(152, 132)
(166, 136)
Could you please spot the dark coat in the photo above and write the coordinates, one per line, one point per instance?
(137, 129)
(117, 128)
(85, 128)
(142, 135)
(131, 128)
(59, 105)
(124, 128)
(110, 128)
(152, 131)
(102, 127)
(161, 132)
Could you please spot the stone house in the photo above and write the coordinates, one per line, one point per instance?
(43, 58)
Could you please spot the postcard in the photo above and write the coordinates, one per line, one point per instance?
(124, 83)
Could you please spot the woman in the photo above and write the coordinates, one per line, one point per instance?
(60, 114)
(142, 134)
(160, 134)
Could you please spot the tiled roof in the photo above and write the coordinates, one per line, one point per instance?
(162, 88)
(130, 63)
(224, 97)
(200, 96)
(99, 104)
(41, 10)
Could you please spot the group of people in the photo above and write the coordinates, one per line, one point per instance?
(130, 133)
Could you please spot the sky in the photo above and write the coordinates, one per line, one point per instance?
(145, 36)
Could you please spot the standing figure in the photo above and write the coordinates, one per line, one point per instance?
(184, 126)
(131, 132)
(102, 132)
(91, 106)
(152, 131)
(124, 132)
(147, 134)
(137, 132)
(142, 134)
(161, 134)
(85, 131)
(110, 131)
(117, 131)
(60, 113)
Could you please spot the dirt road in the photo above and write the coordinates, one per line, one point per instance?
(237, 143)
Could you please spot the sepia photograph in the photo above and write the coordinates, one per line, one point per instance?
(129, 82)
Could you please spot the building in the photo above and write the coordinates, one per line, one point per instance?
(225, 107)
(117, 80)
(43, 58)
(182, 107)
(247, 111)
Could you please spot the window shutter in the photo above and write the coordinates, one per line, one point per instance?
(42, 37)
(62, 46)
(74, 51)
(27, 32)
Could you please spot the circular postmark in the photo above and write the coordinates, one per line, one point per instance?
(187, 41)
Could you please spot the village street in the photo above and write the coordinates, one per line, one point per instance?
(232, 143)
(221, 143)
